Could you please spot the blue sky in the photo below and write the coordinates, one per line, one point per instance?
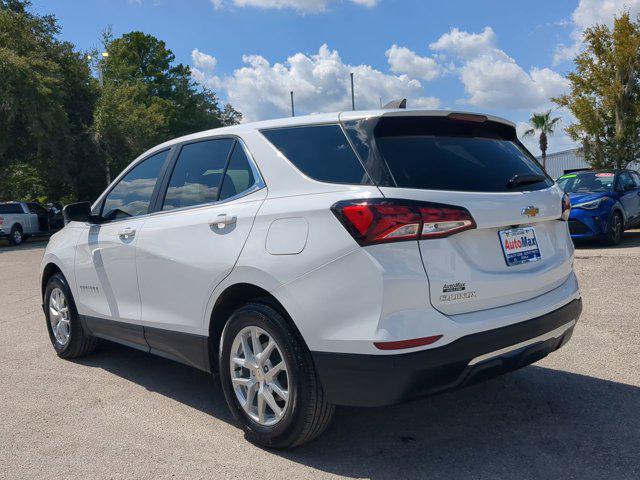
(502, 57)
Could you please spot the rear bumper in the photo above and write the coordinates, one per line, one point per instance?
(378, 380)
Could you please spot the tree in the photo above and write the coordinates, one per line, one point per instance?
(545, 125)
(59, 127)
(46, 101)
(605, 94)
(147, 99)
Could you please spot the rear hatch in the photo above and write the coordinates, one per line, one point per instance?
(518, 249)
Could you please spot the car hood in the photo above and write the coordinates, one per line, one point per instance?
(586, 197)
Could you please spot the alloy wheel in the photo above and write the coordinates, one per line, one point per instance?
(616, 228)
(59, 316)
(259, 375)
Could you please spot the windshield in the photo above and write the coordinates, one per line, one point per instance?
(587, 182)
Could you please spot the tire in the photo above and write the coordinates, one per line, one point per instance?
(306, 413)
(16, 237)
(78, 342)
(615, 229)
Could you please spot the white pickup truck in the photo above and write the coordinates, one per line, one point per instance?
(21, 220)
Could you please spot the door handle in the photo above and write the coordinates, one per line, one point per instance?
(222, 221)
(127, 233)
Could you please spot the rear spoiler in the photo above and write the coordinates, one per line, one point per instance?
(395, 104)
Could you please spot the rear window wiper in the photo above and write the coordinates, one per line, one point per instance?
(520, 179)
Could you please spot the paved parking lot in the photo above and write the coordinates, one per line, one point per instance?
(123, 414)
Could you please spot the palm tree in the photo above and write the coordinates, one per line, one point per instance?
(543, 123)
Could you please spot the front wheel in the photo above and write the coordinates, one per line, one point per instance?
(67, 334)
(615, 229)
(269, 379)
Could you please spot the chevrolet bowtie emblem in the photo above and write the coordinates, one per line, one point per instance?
(530, 211)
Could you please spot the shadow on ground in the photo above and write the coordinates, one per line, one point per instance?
(30, 244)
(534, 423)
(630, 239)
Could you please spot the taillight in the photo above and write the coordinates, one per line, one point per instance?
(388, 220)
(1, 220)
(566, 207)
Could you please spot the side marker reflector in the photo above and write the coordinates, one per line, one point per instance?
(401, 344)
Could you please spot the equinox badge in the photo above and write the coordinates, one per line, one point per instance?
(530, 211)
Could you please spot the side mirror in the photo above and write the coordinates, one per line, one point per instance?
(77, 212)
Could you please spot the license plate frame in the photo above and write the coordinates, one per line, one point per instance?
(523, 245)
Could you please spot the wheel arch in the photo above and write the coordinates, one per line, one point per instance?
(617, 207)
(48, 271)
(232, 298)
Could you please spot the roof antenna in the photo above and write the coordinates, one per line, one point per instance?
(399, 103)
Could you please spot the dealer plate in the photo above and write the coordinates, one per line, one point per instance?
(519, 245)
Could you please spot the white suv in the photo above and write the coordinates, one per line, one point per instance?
(361, 258)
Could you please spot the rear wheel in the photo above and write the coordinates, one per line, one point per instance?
(16, 237)
(67, 335)
(269, 379)
(615, 229)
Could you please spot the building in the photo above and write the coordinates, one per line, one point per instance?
(560, 163)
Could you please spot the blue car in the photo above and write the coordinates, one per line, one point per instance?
(603, 203)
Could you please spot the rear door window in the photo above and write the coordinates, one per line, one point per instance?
(321, 152)
(198, 173)
(238, 177)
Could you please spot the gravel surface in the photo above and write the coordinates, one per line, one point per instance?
(120, 413)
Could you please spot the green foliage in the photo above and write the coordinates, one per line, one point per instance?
(61, 132)
(545, 125)
(605, 94)
(147, 99)
(46, 100)
(22, 182)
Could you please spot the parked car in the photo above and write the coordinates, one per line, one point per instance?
(603, 203)
(362, 258)
(21, 220)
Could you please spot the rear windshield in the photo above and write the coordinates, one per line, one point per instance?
(436, 153)
(587, 182)
(11, 208)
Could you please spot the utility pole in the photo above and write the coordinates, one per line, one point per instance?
(293, 112)
(353, 98)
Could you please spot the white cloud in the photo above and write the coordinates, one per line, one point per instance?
(203, 61)
(301, 6)
(403, 60)
(321, 83)
(203, 68)
(465, 44)
(491, 78)
(588, 13)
